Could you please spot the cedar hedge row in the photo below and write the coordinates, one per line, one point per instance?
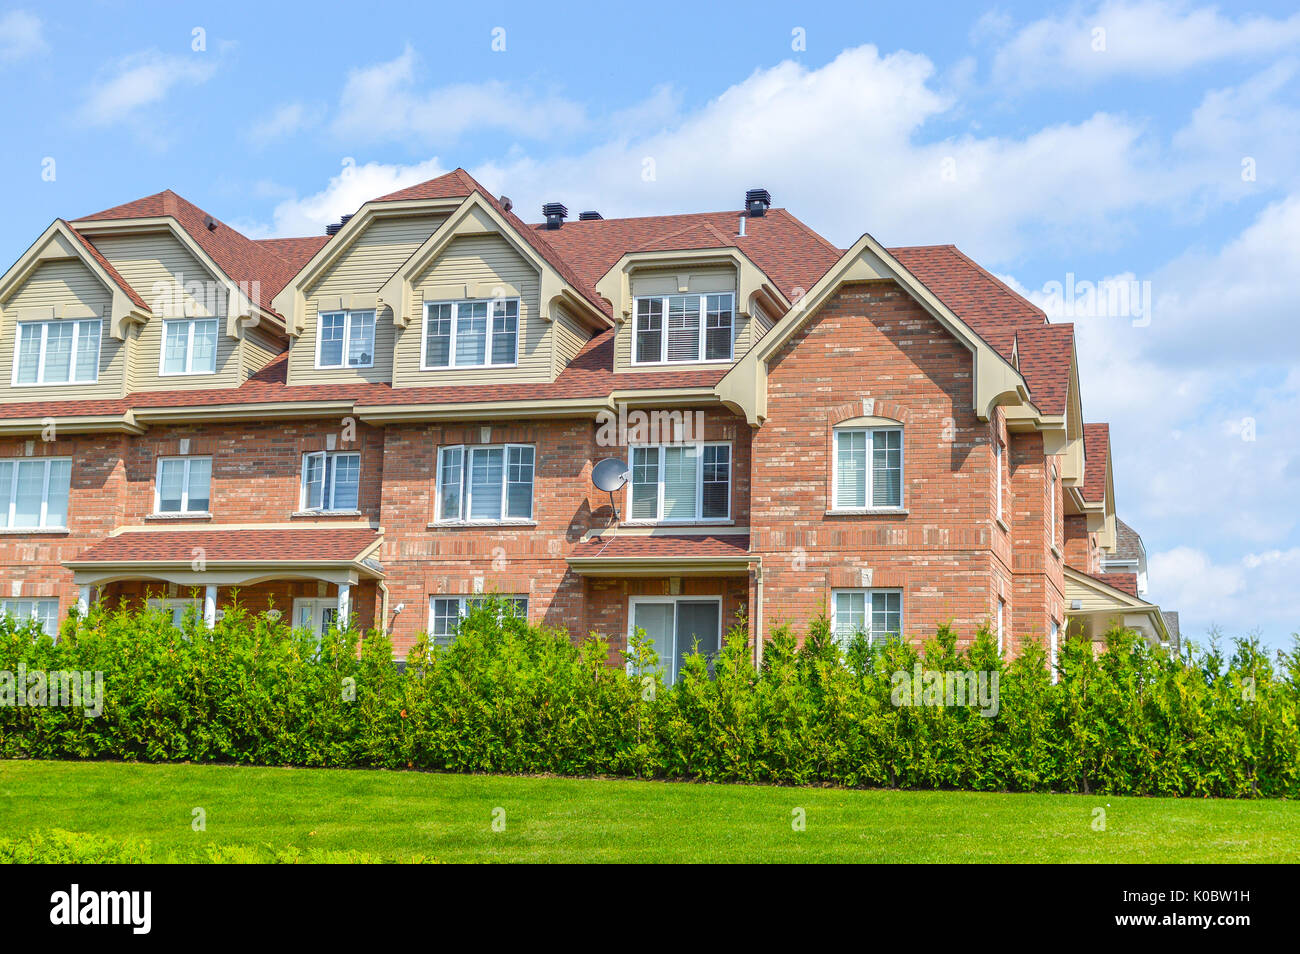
(516, 698)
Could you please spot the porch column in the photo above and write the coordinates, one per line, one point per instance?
(210, 606)
(83, 599)
(345, 600)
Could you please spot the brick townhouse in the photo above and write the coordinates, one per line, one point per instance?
(400, 416)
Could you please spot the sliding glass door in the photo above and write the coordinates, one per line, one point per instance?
(677, 626)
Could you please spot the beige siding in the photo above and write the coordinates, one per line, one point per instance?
(361, 270)
(260, 348)
(174, 284)
(54, 286)
(476, 266)
(670, 282)
(568, 337)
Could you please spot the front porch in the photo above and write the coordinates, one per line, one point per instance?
(312, 577)
(1096, 604)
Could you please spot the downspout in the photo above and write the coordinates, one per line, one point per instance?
(383, 609)
(758, 616)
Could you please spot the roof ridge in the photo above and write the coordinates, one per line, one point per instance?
(809, 230)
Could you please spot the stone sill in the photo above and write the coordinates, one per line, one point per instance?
(479, 524)
(868, 512)
(34, 531)
(316, 514)
(205, 515)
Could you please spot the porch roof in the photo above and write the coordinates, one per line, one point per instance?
(1097, 601)
(231, 556)
(668, 554)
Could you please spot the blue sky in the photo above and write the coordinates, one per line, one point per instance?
(1151, 141)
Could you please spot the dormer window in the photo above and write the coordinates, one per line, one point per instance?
(470, 334)
(673, 329)
(189, 346)
(57, 352)
(347, 340)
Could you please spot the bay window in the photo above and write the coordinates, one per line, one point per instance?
(470, 334)
(346, 340)
(189, 346)
(675, 483)
(331, 480)
(491, 483)
(680, 328)
(868, 468)
(876, 613)
(57, 352)
(34, 493)
(183, 485)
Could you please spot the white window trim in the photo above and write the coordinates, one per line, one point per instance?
(462, 605)
(868, 592)
(347, 337)
(870, 476)
(1053, 649)
(1001, 619)
(318, 607)
(466, 492)
(997, 463)
(1052, 488)
(699, 486)
(45, 493)
(451, 348)
(40, 381)
(189, 348)
(302, 483)
(663, 339)
(634, 601)
(185, 486)
(34, 600)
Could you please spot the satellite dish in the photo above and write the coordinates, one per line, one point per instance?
(610, 475)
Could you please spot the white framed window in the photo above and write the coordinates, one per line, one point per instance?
(876, 613)
(174, 608)
(316, 615)
(1051, 493)
(34, 492)
(676, 626)
(470, 334)
(44, 611)
(189, 346)
(867, 473)
(680, 328)
(345, 339)
(183, 485)
(485, 482)
(331, 480)
(680, 483)
(1002, 613)
(56, 352)
(997, 465)
(446, 612)
(1052, 648)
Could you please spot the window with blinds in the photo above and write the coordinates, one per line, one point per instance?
(45, 613)
(875, 613)
(680, 483)
(57, 352)
(468, 334)
(681, 328)
(447, 612)
(34, 492)
(868, 468)
(485, 483)
(330, 481)
(183, 485)
(346, 340)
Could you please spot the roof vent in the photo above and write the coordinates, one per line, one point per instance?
(757, 202)
(210, 223)
(333, 229)
(506, 203)
(589, 216)
(346, 218)
(555, 214)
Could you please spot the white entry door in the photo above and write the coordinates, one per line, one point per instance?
(676, 626)
(315, 615)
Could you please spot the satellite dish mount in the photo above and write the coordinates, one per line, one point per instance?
(610, 475)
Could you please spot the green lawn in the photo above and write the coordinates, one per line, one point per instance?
(405, 815)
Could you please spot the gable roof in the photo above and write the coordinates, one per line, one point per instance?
(242, 259)
(1045, 354)
(1096, 454)
(1128, 543)
(107, 266)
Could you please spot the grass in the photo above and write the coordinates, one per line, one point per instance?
(411, 815)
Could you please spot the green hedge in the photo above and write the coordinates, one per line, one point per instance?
(510, 697)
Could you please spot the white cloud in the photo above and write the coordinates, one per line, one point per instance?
(283, 121)
(383, 103)
(1144, 38)
(1257, 592)
(21, 35)
(345, 192)
(140, 80)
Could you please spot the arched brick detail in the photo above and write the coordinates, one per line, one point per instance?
(869, 407)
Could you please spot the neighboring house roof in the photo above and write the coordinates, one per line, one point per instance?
(1128, 544)
(242, 259)
(1096, 451)
(1171, 624)
(309, 544)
